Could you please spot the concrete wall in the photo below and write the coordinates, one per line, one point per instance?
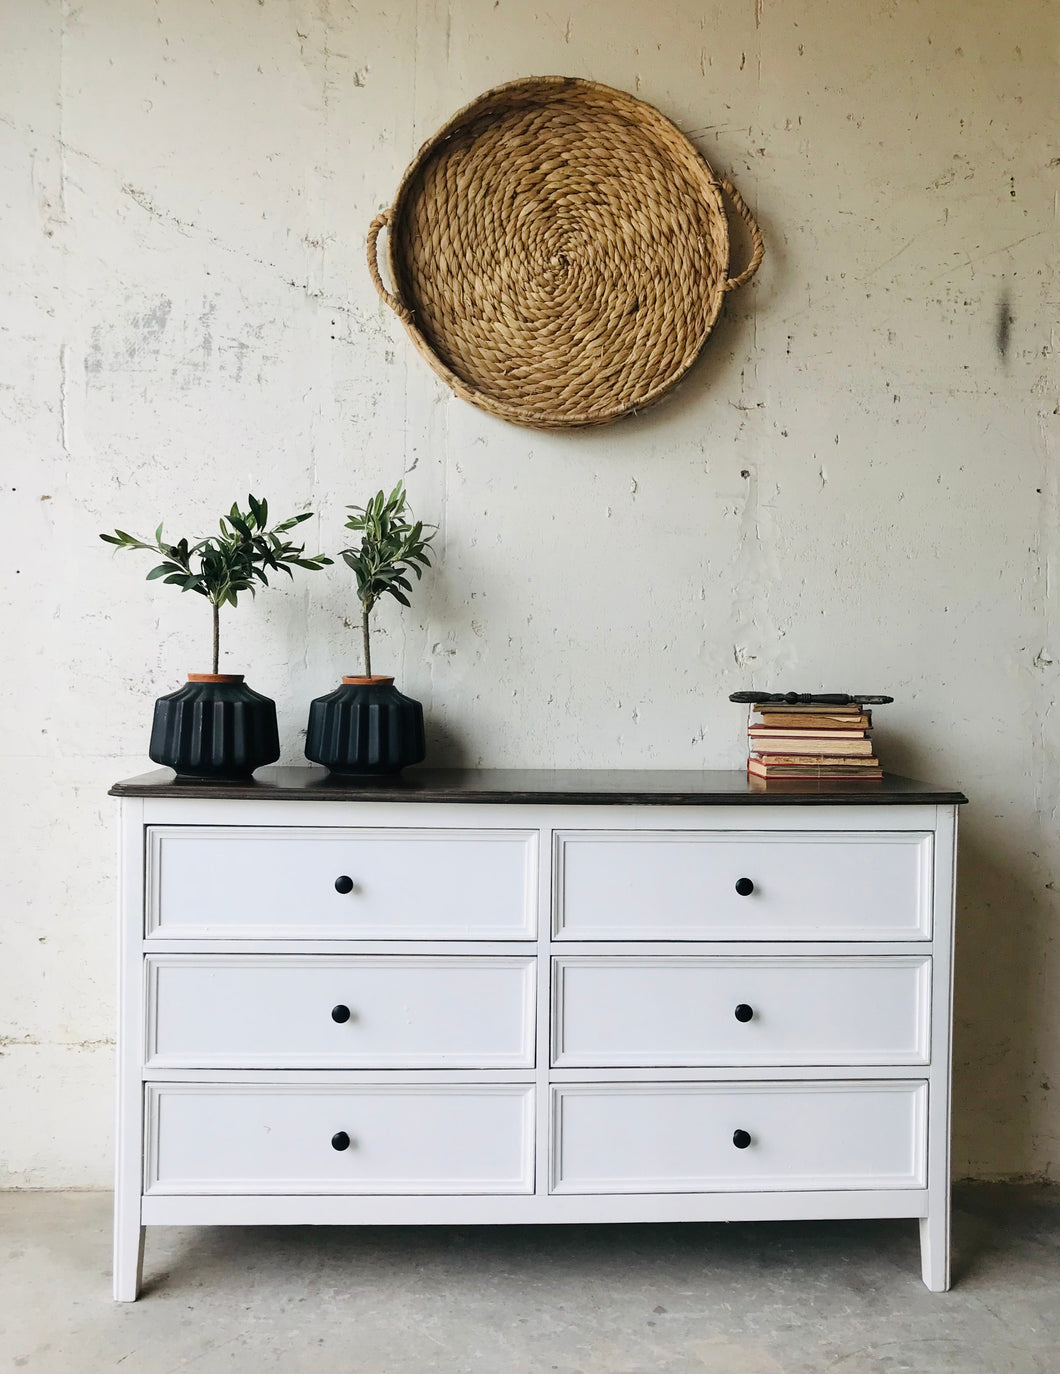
(856, 488)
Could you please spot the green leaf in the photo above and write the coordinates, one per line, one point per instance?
(236, 559)
(393, 547)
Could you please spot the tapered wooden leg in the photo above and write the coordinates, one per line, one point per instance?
(128, 1253)
(935, 1249)
(128, 1261)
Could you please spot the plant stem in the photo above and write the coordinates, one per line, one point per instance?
(364, 637)
(216, 635)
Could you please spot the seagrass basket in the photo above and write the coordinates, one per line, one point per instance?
(559, 252)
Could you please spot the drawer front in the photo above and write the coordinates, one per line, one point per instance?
(673, 1012)
(224, 1138)
(269, 882)
(333, 1011)
(679, 1137)
(674, 885)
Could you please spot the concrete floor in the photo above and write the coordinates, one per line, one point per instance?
(770, 1298)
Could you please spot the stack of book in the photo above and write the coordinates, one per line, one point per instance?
(811, 742)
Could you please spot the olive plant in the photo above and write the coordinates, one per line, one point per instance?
(392, 545)
(221, 566)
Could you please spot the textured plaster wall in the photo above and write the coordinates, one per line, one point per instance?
(856, 488)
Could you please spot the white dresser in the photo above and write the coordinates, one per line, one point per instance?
(533, 997)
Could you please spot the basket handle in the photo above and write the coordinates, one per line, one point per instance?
(380, 222)
(757, 242)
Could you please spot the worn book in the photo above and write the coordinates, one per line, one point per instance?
(817, 721)
(757, 769)
(803, 732)
(810, 744)
(816, 760)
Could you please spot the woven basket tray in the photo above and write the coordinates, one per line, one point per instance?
(559, 253)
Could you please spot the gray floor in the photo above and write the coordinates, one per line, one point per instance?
(770, 1298)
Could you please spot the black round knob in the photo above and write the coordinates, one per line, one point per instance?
(341, 1141)
(741, 1139)
(344, 884)
(742, 1013)
(744, 886)
(341, 1013)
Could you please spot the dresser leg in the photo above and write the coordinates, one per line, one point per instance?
(128, 1261)
(935, 1250)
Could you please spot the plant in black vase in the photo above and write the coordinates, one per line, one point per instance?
(215, 726)
(366, 727)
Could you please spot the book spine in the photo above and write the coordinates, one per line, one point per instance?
(828, 774)
(843, 748)
(815, 760)
(787, 732)
(780, 722)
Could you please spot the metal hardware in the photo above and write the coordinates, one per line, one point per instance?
(810, 698)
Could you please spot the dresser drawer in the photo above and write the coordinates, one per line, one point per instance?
(679, 1137)
(677, 885)
(689, 1010)
(453, 1138)
(272, 882)
(321, 1011)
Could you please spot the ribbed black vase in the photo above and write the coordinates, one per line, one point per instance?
(365, 728)
(215, 726)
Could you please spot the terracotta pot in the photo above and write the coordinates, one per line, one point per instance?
(214, 727)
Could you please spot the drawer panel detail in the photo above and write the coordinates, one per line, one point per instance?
(334, 1011)
(704, 1137)
(271, 882)
(674, 885)
(246, 1138)
(689, 1010)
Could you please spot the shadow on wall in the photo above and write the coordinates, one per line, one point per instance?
(1001, 929)
(998, 1028)
(731, 343)
(446, 746)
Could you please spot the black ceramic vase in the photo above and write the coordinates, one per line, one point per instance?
(365, 728)
(215, 726)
